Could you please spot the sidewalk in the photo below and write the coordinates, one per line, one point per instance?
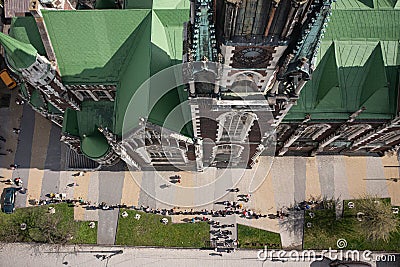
(290, 179)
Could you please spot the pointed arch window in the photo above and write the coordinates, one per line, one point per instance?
(227, 153)
(234, 126)
(355, 130)
(388, 137)
(315, 131)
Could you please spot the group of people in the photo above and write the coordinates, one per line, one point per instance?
(18, 181)
(222, 238)
(175, 179)
(233, 207)
(305, 205)
(19, 101)
(13, 166)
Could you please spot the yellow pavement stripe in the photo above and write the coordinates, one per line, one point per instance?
(81, 190)
(356, 170)
(283, 176)
(187, 194)
(40, 142)
(393, 187)
(34, 184)
(131, 189)
(7, 174)
(263, 201)
(264, 198)
(313, 186)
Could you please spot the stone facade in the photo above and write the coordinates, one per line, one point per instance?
(246, 63)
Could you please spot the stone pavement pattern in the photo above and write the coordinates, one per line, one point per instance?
(41, 156)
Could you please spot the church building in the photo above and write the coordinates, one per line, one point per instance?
(187, 84)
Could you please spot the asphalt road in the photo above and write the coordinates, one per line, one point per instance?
(77, 256)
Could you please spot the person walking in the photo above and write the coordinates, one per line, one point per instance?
(18, 181)
(13, 166)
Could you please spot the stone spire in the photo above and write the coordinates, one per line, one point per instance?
(20, 55)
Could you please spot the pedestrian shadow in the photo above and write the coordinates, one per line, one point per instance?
(215, 254)
(164, 186)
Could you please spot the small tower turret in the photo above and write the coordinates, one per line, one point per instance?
(38, 72)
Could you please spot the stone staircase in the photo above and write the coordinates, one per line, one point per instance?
(79, 162)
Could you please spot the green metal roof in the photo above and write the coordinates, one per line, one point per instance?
(155, 44)
(157, 4)
(36, 99)
(70, 123)
(52, 109)
(350, 76)
(171, 4)
(91, 116)
(105, 4)
(94, 114)
(24, 91)
(161, 46)
(105, 50)
(365, 4)
(364, 24)
(91, 46)
(20, 55)
(164, 112)
(95, 145)
(85, 123)
(356, 65)
(24, 29)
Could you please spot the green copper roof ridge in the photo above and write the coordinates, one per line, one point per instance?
(373, 74)
(364, 4)
(376, 23)
(103, 35)
(25, 30)
(329, 56)
(389, 3)
(36, 99)
(21, 55)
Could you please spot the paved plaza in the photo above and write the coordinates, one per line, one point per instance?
(77, 256)
(274, 183)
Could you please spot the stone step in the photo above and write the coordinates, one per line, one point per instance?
(79, 162)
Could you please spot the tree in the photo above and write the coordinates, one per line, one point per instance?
(41, 227)
(376, 218)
